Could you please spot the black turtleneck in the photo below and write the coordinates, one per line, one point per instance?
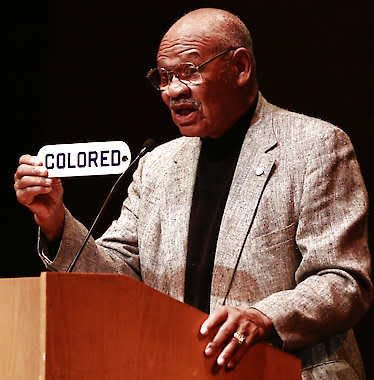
(215, 170)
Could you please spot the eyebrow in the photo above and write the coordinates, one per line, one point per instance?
(186, 57)
(173, 68)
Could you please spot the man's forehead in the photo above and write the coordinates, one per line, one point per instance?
(186, 46)
(173, 59)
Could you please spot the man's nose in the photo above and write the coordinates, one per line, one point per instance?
(176, 87)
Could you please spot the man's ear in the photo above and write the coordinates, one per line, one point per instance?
(243, 66)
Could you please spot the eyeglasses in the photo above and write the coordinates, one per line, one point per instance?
(187, 73)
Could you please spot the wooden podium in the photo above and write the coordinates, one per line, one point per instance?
(75, 326)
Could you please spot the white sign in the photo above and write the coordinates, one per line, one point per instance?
(84, 159)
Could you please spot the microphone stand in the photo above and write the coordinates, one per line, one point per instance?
(147, 146)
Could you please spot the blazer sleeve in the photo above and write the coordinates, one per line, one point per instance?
(116, 251)
(334, 288)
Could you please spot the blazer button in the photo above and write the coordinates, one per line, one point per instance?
(259, 171)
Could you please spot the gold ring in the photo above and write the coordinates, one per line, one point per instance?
(240, 338)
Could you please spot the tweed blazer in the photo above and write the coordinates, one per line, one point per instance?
(292, 242)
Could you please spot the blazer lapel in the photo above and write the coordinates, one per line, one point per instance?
(177, 212)
(253, 169)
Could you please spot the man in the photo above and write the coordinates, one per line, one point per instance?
(257, 215)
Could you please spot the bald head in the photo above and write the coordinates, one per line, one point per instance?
(206, 60)
(221, 27)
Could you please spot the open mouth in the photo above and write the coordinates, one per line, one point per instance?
(185, 111)
(185, 116)
(184, 108)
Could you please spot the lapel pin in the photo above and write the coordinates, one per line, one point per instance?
(259, 171)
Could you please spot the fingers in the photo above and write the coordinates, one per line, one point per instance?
(31, 179)
(235, 349)
(30, 160)
(213, 320)
(27, 195)
(247, 324)
(30, 168)
(232, 358)
(229, 351)
(223, 341)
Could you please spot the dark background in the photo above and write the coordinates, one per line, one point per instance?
(76, 70)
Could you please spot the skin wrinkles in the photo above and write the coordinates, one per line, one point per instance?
(186, 49)
(211, 96)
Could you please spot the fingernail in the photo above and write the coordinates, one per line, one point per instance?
(208, 350)
(230, 365)
(221, 360)
(203, 330)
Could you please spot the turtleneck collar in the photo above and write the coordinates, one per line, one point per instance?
(233, 136)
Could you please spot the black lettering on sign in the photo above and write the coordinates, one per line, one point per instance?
(84, 159)
(70, 166)
(104, 158)
(48, 164)
(60, 160)
(116, 157)
(81, 159)
(92, 157)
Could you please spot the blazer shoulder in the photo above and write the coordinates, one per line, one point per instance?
(164, 155)
(306, 132)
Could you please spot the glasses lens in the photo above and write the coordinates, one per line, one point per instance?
(187, 72)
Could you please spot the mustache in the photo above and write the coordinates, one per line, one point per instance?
(185, 101)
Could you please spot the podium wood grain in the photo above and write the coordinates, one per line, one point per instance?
(20, 327)
(73, 326)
